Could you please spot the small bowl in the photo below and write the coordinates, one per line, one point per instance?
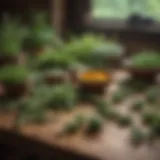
(93, 81)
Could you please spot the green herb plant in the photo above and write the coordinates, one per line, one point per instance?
(63, 97)
(146, 60)
(13, 74)
(53, 59)
(94, 125)
(124, 120)
(41, 33)
(118, 96)
(137, 136)
(73, 126)
(138, 105)
(12, 36)
(152, 95)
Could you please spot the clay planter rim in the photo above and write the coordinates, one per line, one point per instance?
(16, 89)
(13, 60)
(142, 71)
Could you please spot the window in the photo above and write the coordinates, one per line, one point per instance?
(121, 9)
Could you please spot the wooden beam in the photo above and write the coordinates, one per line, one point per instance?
(58, 15)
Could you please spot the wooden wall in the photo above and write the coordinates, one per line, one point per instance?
(24, 7)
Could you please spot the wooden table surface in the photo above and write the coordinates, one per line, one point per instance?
(112, 143)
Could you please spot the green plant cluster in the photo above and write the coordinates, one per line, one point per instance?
(138, 136)
(138, 105)
(146, 60)
(91, 125)
(53, 59)
(76, 124)
(153, 95)
(41, 33)
(13, 74)
(31, 109)
(12, 36)
(63, 97)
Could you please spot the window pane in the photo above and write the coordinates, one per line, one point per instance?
(123, 8)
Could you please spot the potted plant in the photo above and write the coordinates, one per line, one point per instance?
(14, 79)
(11, 42)
(110, 53)
(53, 59)
(63, 97)
(41, 35)
(144, 65)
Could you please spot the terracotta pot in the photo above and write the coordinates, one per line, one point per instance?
(19, 59)
(98, 88)
(144, 73)
(51, 79)
(8, 60)
(16, 90)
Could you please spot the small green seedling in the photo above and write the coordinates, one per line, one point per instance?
(74, 125)
(70, 128)
(124, 120)
(102, 108)
(149, 118)
(138, 106)
(112, 114)
(137, 136)
(155, 127)
(94, 125)
(117, 97)
(80, 121)
(152, 95)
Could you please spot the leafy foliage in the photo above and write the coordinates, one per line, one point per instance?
(138, 105)
(13, 74)
(137, 136)
(146, 60)
(11, 37)
(94, 125)
(63, 97)
(41, 33)
(118, 96)
(53, 59)
(109, 49)
(149, 117)
(102, 107)
(152, 94)
(124, 120)
(74, 125)
(31, 109)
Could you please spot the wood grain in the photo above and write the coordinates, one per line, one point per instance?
(112, 143)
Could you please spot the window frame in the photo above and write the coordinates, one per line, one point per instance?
(105, 24)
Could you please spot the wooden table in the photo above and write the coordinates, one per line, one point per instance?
(112, 143)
